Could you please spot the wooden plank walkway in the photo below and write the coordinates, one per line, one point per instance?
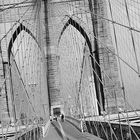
(67, 131)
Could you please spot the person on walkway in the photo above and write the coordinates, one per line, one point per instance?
(62, 117)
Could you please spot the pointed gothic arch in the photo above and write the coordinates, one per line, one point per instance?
(98, 84)
(19, 29)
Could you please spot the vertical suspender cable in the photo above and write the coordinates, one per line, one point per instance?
(120, 70)
(132, 37)
(117, 49)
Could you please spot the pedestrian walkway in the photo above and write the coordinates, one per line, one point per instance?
(67, 131)
(53, 134)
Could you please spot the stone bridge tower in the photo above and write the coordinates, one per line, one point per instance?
(54, 16)
(85, 14)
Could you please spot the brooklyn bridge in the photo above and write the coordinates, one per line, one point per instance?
(74, 58)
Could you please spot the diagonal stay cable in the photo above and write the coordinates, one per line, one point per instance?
(13, 6)
(112, 21)
(109, 50)
(27, 94)
(110, 95)
(16, 22)
(5, 36)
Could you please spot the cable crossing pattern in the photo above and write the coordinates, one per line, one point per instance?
(79, 58)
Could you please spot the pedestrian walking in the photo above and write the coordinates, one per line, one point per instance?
(62, 117)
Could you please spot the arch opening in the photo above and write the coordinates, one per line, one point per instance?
(96, 68)
(27, 70)
(20, 28)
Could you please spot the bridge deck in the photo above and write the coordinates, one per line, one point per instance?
(65, 130)
(133, 117)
